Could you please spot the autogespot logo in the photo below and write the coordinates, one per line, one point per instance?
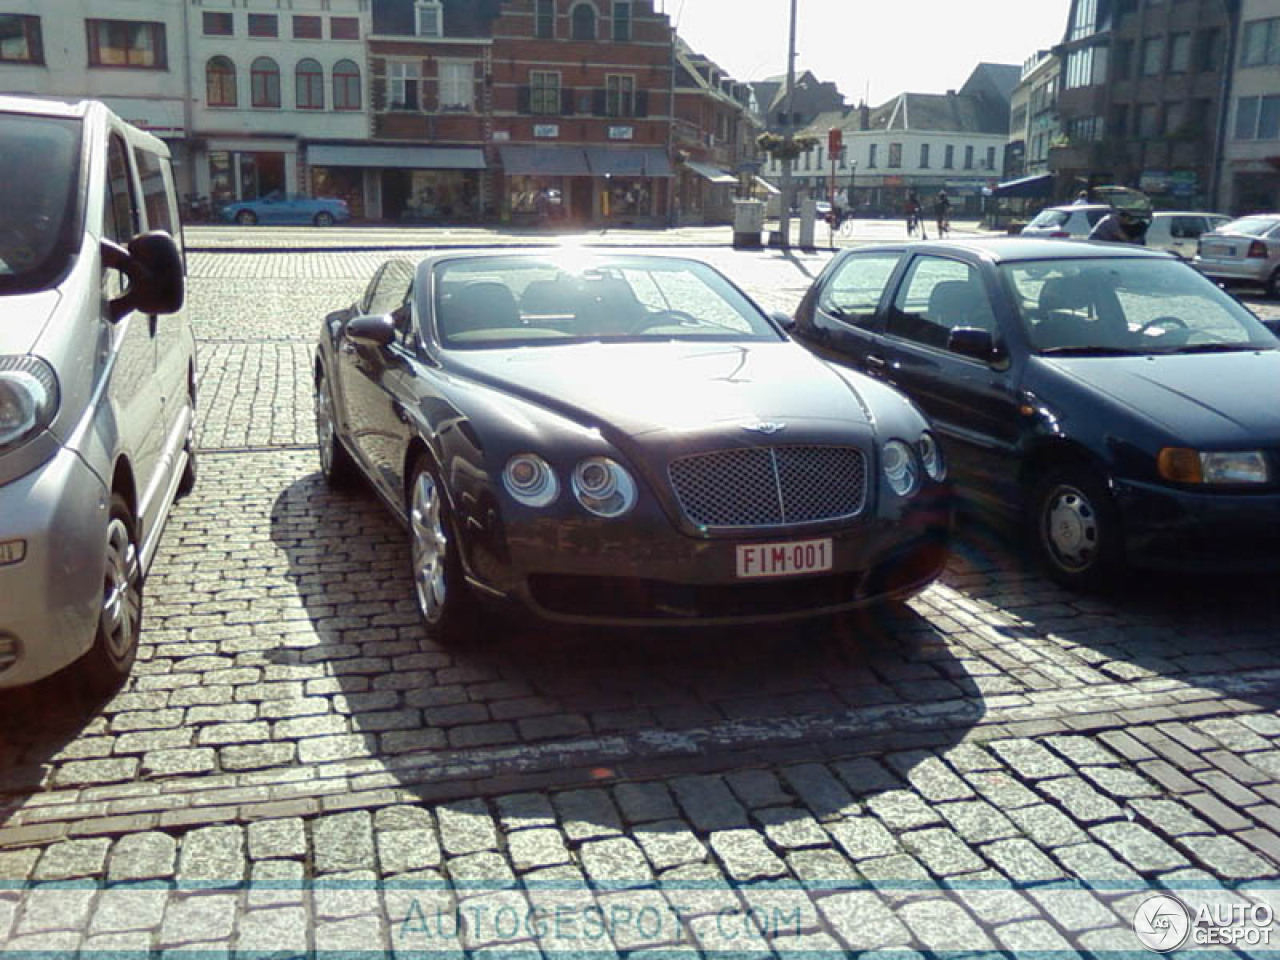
(1162, 923)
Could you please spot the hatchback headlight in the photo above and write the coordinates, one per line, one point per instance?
(900, 468)
(28, 399)
(1225, 468)
(931, 457)
(604, 487)
(530, 480)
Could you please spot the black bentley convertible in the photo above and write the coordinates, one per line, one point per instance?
(622, 440)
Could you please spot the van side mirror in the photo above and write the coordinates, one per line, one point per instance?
(153, 266)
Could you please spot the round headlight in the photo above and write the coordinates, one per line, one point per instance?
(530, 480)
(931, 457)
(28, 398)
(604, 487)
(900, 468)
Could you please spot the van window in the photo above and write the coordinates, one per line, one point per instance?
(121, 215)
(155, 194)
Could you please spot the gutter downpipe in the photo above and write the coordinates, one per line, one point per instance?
(1224, 107)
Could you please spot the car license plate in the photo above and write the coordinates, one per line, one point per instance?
(783, 559)
(1219, 250)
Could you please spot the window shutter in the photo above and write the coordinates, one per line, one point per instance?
(566, 102)
(599, 105)
(642, 103)
(524, 100)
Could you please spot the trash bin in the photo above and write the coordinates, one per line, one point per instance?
(748, 224)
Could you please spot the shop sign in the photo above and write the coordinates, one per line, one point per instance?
(1184, 183)
(1154, 181)
(546, 129)
(501, 136)
(620, 133)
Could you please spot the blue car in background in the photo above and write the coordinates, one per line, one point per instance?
(277, 208)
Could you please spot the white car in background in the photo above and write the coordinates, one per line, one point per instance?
(1072, 222)
(1176, 231)
(1245, 251)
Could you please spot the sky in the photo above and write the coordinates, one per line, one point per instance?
(869, 49)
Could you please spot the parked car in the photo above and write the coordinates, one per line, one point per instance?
(1061, 223)
(1245, 250)
(1110, 398)
(621, 440)
(97, 385)
(1178, 231)
(277, 208)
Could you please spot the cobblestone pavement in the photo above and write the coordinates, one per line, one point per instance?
(999, 765)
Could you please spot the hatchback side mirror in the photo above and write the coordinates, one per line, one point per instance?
(784, 320)
(375, 331)
(153, 266)
(975, 343)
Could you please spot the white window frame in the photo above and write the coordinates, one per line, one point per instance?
(399, 74)
(455, 81)
(433, 9)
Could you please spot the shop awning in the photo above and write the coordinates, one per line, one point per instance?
(1039, 185)
(410, 157)
(708, 172)
(544, 161)
(632, 162)
(767, 186)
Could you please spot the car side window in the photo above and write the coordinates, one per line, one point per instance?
(1186, 228)
(1095, 215)
(856, 287)
(937, 296)
(391, 288)
(121, 215)
(155, 196)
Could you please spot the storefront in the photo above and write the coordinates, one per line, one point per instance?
(630, 184)
(403, 183)
(704, 193)
(232, 170)
(584, 184)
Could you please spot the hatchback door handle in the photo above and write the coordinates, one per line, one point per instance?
(875, 362)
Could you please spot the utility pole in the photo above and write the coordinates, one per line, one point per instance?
(788, 134)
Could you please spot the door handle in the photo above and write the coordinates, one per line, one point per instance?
(348, 347)
(875, 362)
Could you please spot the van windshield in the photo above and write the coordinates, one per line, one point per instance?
(40, 157)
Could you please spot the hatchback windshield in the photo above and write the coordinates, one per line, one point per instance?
(1251, 226)
(40, 159)
(1129, 306)
(529, 301)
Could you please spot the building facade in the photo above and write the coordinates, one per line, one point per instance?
(1249, 178)
(1033, 117)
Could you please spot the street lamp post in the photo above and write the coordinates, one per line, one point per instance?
(788, 134)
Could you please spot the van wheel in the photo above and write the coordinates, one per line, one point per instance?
(246, 218)
(188, 481)
(1076, 528)
(115, 644)
(324, 219)
(440, 589)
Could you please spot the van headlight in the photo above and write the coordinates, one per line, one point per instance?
(900, 468)
(604, 487)
(28, 399)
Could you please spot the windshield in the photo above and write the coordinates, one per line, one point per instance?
(1049, 218)
(1250, 226)
(500, 302)
(1128, 306)
(40, 160)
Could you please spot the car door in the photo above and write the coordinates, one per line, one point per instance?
(973, 405)
(840, 325)
(372, 380)
(135, 391)
(1184, 234)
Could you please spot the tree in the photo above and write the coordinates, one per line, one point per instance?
(776, 146)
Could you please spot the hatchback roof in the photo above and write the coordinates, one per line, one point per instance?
(1010, 249)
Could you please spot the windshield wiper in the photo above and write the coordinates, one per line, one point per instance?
(1090, 351)
(1218, 348)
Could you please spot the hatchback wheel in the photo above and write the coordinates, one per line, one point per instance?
(335, 463)
(115, 644)
(1076, 528)
(443, 598)
(1273, 285)
(246, 218)
(324, 219)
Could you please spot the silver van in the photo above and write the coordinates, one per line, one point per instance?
(97, 385)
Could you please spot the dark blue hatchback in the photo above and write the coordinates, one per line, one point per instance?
(1113, 399)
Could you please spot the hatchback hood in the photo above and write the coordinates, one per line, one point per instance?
(1226, 400)
(644, 388)
(23, 318)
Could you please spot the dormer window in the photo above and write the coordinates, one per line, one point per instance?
(430, 18)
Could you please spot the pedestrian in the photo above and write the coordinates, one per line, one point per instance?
(942, 211)
(1120, 226)
(913, 215)
(1082, 199)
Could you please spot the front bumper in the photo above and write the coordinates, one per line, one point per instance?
(50, 598)
(1185, 530)
(637, 574)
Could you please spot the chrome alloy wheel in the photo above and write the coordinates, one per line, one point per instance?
(1070, 528)
(324, 424)
(121, 592)
(430, 547)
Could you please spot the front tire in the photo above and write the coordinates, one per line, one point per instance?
(1273, 285)
(335, 463)
(440, 589)
(246, 218)
(1076, 528)
(323, 219)
(189, 473)
(115, 644)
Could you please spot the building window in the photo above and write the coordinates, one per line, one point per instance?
(457, 85)
(545, 27)
(1119, 126)
(991, 158)
(218, 24)
(1085, 22)
(1152, 56)
(402, 86)
(1261, 45)
(1175, 117)
(1080, 68)
(583, 22)
(621, 20)
(1148, 120)
(126, 43)
(949, 157)
(344, 28)
(895, 155)
(220, 82)
(871, 158)
(544, 96)
(346, 85)
(264, 77)
(264, 25)
(1258, 118)
(620, 96)
(1180, 53)
(309, 80)
(1085, 129)
(1122, 62)
(968, 158)
(308, 28)
(429, 16)
(20, 40)
(924, 156)
(1209, 50)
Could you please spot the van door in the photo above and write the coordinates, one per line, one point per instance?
(134, 390)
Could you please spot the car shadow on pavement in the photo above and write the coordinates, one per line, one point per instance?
(525, 708)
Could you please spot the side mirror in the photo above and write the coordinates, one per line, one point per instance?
(784, 320)
(153, 265)
(974, 343)
(378, 331)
